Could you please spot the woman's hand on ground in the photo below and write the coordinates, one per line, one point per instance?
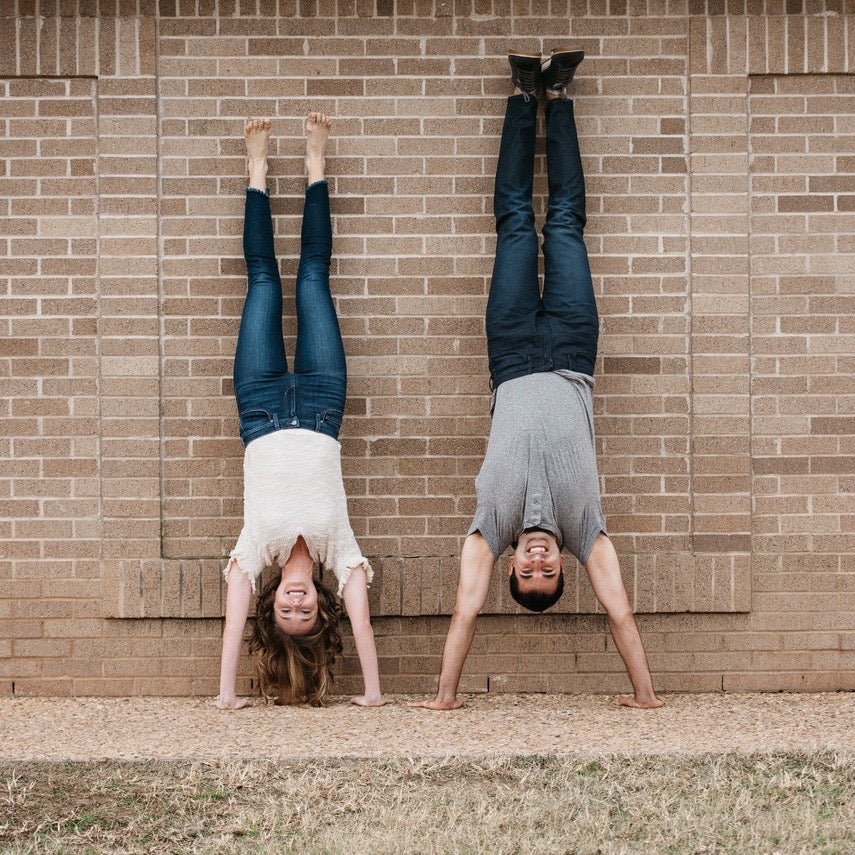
(231, 703)
(370, 701)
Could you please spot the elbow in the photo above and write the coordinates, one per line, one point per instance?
(621, 620)
(361, 627)
(465, 613)
(234, 625)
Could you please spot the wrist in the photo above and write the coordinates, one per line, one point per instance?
(445, 695)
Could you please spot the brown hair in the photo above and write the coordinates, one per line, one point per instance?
(295, 669)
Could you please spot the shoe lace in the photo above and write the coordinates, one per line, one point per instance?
(526, 79)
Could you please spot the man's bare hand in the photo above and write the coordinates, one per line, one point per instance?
(644, 704)
(438, 704)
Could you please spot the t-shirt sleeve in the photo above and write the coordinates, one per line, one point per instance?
(485, 524)
(248, 560)
(346, 558)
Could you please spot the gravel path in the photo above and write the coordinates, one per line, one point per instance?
(191, 729)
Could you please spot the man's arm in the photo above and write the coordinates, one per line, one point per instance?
(238, 597)
(476, 567)
(355, 596)
(604, 572)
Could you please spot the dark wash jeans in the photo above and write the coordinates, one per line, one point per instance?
(269, 396)
(526, 332)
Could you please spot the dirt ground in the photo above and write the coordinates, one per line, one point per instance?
(191, 729)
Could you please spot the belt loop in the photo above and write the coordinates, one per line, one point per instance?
(276, 421)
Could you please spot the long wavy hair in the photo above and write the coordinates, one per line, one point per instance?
(295, 669)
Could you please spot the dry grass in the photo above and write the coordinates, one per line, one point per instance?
(730, 803)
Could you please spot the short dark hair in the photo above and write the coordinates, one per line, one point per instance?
(536, 601)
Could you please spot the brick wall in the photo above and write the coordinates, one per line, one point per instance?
(716, 138)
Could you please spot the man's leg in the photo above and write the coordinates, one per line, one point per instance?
(604, 572)
(514, 299)
(568, 292)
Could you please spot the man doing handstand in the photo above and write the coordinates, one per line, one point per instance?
(538, 488)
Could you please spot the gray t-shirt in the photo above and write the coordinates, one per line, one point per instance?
(540, 469)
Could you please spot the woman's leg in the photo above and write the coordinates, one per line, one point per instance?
(514, 299)
(260, 353)
(319, 347)
(319, 359)
(568, 292)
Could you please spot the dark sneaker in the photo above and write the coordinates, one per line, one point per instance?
(557, 71)
(525, 72)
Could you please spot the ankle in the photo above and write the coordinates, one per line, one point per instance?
(257, 170)
(315, 168)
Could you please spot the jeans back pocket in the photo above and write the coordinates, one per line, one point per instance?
(256, 423)
(329, 421)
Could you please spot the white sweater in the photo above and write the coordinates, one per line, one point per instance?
(292, 486)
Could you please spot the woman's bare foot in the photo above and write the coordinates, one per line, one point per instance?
(257, 135)
(317, 131)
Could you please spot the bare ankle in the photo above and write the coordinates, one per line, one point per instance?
(257, 170)
(315, 168)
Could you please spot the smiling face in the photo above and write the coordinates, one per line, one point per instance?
(295, 604)
(537, 562)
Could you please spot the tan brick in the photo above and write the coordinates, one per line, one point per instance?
(686, 444)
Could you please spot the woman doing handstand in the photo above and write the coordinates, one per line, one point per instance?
(295, 509)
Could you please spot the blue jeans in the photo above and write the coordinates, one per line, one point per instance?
(269, 396)
(527, 332)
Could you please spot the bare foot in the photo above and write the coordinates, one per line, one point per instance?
(257, 135)
(631, 701)
(317, 131)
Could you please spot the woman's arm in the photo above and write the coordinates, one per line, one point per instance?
(238, 598)
(356, 602)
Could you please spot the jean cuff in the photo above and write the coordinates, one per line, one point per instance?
(319, 181)
(256, 190)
